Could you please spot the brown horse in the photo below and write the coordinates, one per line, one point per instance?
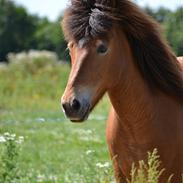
(116, 48)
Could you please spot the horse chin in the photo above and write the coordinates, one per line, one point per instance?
(79, 120)
(82, 118)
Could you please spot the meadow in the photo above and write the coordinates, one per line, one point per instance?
(37, 143)
(54, 149)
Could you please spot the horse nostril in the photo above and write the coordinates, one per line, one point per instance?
(75, 105)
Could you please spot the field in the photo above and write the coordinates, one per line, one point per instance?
(54, 149)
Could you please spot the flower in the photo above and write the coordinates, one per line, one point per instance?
(53, 177)
(104, 165)
(2, 139)
(9, 136)
(20, 140)
(6, 134)
(89, 152)
(41, 178)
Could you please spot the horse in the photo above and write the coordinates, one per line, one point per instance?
(118, 49)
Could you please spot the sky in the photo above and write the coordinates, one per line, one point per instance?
(53, 8)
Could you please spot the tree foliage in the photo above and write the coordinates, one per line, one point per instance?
(172, 23)
(20, 31)
(16, 28)
(174, 31)
(49, 36)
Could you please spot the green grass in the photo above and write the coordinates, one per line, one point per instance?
(54, 149)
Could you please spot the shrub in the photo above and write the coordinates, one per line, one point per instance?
(33, 60)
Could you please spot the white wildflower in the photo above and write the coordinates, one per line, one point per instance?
(13, 135)
(2, 139)
(53, 178)
(41, 178)
(89, 152)
(9, 136)
(89, 131)
(6, 134)
(103, 165)
(20, 140)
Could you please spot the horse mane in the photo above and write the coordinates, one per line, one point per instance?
(153, 57)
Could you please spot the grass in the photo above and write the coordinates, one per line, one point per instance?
(54, 150)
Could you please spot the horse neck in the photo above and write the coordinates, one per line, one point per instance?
(136, 106)
(132, 100)
(131, 97)
(144, 110)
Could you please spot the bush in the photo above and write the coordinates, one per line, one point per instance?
(33, 60)
(31, 77)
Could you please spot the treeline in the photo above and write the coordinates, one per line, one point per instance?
(20, 30)
(172, 26)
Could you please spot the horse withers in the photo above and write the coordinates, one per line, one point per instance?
(116, 48)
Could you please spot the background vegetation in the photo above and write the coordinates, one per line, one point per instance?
(54, 150)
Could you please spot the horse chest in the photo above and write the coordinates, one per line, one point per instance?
(125, 149)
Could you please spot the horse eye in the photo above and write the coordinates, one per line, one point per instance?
(70, 45)
(102, 49)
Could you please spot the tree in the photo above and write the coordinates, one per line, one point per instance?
(161, 15)
(174, 31)
(49, 36)
(16, 28)
(172, 25)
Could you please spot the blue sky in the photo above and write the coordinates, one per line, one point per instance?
(52, 8)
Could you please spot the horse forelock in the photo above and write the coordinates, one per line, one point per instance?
(89, 18)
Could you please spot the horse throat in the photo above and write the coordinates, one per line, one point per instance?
(133, 108)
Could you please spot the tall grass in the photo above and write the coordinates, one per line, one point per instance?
(149, 172)
(54, 150)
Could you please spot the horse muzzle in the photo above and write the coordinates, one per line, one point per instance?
(75, 110)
